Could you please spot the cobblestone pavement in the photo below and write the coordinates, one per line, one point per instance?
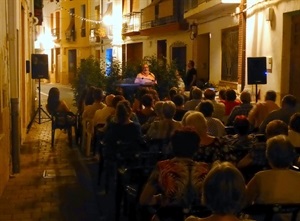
(53, 184)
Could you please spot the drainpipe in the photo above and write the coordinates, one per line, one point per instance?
(242, 45)
(14, 84)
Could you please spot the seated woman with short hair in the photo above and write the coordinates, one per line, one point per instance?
(209, 146)
(223, 192)
(278, 184)
(164, 128)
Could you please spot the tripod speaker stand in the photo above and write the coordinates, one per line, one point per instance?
(39, 66)
(38, 111)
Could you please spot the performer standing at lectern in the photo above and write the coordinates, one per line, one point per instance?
(145, 77)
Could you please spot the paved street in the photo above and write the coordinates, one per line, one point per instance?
(55, 183)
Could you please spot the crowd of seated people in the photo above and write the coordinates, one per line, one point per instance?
(148, 118)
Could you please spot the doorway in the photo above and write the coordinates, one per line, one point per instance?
(202, 62)
(72, 64)
(162, 50)
(295, 57)
(178, 55)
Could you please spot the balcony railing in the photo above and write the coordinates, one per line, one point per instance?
(190, 4)
(55, 33)
(94, 37)
(164, 13)
(131, 22)
(70, 35)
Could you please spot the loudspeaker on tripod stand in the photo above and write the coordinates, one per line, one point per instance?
(39, 66)
(257, 69)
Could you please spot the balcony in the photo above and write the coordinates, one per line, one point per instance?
(94, 36)
(131, 23)
(163, 17)
(55, 33)
(70, 35)
(197, 9)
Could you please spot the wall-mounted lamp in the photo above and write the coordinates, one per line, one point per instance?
(193, 31)
(269, 14)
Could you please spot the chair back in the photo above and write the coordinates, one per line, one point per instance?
(269, 211)
(63, 120)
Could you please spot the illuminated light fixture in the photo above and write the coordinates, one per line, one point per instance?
(193, 31)
(231, 1)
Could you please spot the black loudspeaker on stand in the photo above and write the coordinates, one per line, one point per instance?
(39, 68)
(257, 71)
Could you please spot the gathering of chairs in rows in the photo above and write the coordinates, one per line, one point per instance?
(165, 160)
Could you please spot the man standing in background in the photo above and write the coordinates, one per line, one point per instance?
(191, 75)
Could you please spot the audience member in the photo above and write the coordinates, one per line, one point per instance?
(89, 110)
(242, 109)
(222, 96)
(121, 129)
(223, 192)
(278, 184)
(261, 110)
(54, 103)
(180, 82)
(209, 146)
(101, 115)
(196, 99)
(164, 128)
(81, 101)
(178, 100)
(137, 104)
(256, 156)
(294, 130)
(219, 108)
(172, 92)
(215, 127)
(176, 182)
(147, 110)
(238, 145)
(230, 102)
(288, 108)
(158, 116)
(89, 97)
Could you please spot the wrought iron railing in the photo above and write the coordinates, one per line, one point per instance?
(190, 4)
(131, 22)
(55, 33)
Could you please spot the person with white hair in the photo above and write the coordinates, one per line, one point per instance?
(209, 146)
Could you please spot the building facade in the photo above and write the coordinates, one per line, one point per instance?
(17, 89)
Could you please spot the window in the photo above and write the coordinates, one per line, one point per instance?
(83, 23)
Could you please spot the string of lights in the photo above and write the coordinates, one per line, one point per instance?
(80, 17)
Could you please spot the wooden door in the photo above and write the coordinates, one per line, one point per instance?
(295, 57)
